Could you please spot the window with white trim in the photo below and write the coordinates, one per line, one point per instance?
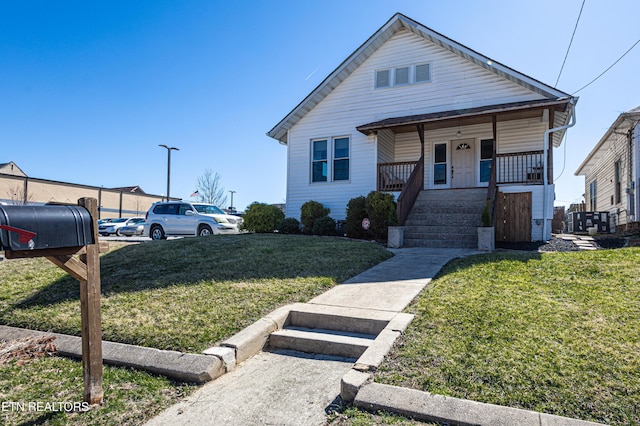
(319, 161)
(592, 196)
(383, 78)
(402, 76)
(330, 159)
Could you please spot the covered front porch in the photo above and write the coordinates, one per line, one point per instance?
(482, 147)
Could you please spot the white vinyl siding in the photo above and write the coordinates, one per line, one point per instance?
(455, 83)
(386, 144)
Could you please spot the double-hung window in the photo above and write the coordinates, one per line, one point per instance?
(341, 159)
(330, 159)
(319, 161)
(592, 196)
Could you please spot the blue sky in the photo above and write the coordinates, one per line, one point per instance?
(89, 89)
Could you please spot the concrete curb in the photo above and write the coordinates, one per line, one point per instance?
(175, 365)
(437, 408)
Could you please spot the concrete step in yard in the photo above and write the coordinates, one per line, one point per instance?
(321, 341)
(330, 330)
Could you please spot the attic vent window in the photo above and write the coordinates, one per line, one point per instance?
(382, 78)
(423, 73)
(403, 76)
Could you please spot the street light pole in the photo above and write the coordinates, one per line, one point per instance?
(169, 149)
(231, 207)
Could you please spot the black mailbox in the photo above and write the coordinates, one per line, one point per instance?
(44, 227)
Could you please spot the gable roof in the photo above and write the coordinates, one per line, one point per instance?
(11, 168)
(623, 123)
(395, 24)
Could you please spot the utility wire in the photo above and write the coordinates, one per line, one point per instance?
(604, 72)
(570, 43)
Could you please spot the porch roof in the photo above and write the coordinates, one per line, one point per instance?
(469, 116)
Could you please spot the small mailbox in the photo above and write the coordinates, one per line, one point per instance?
(44, 227)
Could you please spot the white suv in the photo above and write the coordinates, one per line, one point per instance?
(182, 218)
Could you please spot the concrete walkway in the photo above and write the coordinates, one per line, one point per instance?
(291, 388)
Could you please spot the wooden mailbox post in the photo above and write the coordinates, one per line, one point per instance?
(86, 269)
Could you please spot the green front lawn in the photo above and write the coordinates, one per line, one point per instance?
(557, 333)
(186, 294)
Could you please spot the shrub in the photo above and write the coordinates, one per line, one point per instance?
(324, 226)
(379, 207)
(356, 211)
(381, 210)
(290, 225)
(310, 212)
(260, 217)
(486, 215)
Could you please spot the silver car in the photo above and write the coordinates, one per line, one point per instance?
(183, 218)
(133, 230)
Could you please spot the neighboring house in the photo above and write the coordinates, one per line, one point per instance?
(612, 173)
(16, 188)
(415, 113)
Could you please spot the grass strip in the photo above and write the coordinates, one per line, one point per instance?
(557, 333)
(185, 294)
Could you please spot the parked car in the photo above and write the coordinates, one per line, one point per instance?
(182, 218)
(219, 214)
(132, 230)
(114, 227)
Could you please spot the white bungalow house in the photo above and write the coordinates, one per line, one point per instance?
(612, 172)
(418, 114)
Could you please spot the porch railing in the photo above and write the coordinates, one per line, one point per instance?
(394, 176)
(520, 167)
(410, 191)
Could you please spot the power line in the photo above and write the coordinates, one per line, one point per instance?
(570, 43)
(604, 72)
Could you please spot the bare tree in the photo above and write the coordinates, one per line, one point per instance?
(210, 190)
(17, 196)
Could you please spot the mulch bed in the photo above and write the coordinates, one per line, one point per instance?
(24, 350)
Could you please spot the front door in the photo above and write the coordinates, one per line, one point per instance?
(463, 163)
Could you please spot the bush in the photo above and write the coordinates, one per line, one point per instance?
(310, 212)
(381, 210)
(324, 226)
(260, 217)
(356, 211)
(290, 225)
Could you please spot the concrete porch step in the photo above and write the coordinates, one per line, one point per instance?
(351, 320)
(441, 232)
(451, 220)
(431, 243)
(321, 341)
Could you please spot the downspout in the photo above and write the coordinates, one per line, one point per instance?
(545, 179)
